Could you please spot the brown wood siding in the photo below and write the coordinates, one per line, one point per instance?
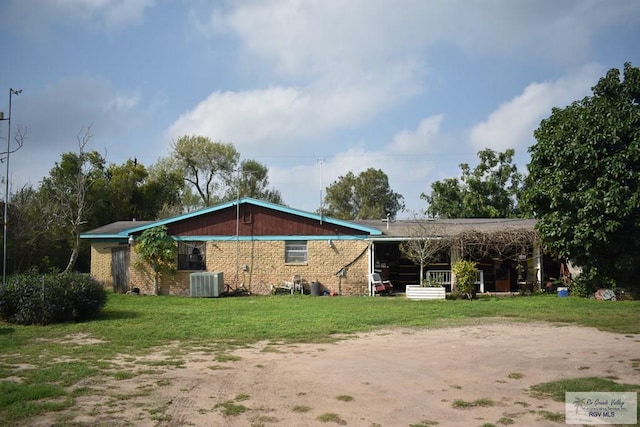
(256, 221)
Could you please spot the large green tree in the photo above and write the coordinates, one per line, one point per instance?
(584, 179)
(252, 180)
(131, 191)
(365, 196)
(81, 193)
(489, 190)
(214, 173)
(206, 165)
(33, 240)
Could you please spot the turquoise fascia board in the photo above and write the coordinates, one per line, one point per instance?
(266, 238)
(268, 205)
(100, 236)
(106, 237)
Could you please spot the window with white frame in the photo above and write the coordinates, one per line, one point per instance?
(295, 251)
(192, 255)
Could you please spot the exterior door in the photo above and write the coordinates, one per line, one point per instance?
(503, 280)
(120, 269)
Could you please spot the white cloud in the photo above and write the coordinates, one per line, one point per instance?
(332, 65)
(513, 123)
(283, 117)
(341, 40)
(423, 137)
(404, 160)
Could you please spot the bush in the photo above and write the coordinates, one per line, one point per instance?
(34, 298)
(586, 283)
(465, 272)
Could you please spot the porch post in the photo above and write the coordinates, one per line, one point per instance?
(537, 259)
(372, 260)
(453, 257)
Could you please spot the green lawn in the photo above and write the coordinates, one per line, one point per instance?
(131, 326)
(135, 322)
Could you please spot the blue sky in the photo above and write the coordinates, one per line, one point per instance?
(410, 87)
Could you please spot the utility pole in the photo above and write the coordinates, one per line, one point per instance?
(6, 187)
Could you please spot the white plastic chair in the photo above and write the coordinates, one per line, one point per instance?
(379, 286)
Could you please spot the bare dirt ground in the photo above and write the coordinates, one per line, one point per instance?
(395, 377)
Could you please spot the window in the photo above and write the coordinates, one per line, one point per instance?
(295, 251)
(192, 255)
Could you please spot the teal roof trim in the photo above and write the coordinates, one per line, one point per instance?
(261, 203)
(265, 238)
(104, 236)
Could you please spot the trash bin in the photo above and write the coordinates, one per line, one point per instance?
(315, 289)
(563, 292)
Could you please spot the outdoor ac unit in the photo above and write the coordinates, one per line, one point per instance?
(205, 284)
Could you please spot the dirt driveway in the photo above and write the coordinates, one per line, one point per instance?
(396, 377)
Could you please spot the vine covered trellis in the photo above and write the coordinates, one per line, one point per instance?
(505, 244)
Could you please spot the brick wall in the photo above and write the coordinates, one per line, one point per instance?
(265, 266)
(101, 262)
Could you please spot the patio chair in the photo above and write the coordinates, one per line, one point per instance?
(379, 286)
(295, 285)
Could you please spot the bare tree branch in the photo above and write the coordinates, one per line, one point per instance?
(426, 241)
(505, 244)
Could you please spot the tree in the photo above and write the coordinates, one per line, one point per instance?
(491, 190)
(66, 191)
(213, 172)
(157, 250)
(206, 165)
(365, 196)
(426, 242)
(584, 179)
(133, 192)
(32, 239)
(252, 180)
(186, 199)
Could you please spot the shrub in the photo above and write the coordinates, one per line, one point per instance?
(586, 283)
(465, 272)
(32, 298)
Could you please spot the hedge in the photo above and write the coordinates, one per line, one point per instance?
(33, 298)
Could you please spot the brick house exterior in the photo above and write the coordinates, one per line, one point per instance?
(257, 245)
(249, 242)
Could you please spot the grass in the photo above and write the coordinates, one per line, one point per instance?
(552, 416)
(556, 389)
(330, 417)
(231, 409)
(131, 328)
(464, 404)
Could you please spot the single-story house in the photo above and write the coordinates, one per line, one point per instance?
(258, 245)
